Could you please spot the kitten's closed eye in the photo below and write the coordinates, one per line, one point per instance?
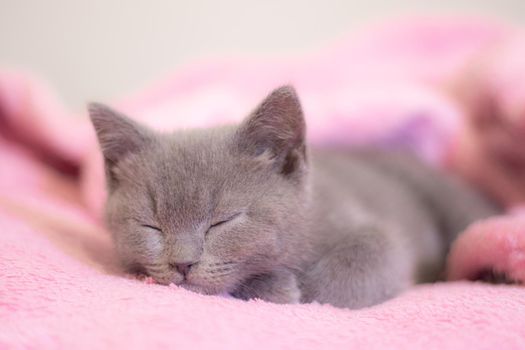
(152, 227)
(223, 221)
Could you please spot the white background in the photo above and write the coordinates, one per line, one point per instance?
(99, 49)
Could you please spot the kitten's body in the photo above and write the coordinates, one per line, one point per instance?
(385, 218)
(377, 222)
(246, 210)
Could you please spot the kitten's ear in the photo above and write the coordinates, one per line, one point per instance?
(276, 127)
(117, 135)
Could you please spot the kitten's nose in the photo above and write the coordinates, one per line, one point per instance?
(183, 268)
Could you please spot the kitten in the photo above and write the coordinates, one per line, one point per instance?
(248, 210)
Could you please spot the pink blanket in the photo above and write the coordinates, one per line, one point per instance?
(451, 90)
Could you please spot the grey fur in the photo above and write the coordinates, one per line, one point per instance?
(247, 210)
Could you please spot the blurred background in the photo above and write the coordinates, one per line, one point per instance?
(101, 49)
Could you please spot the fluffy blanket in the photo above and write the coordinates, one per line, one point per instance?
(452, 90)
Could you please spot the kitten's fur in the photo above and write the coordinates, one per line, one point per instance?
(249, 211)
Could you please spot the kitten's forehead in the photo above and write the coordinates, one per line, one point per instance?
(188, 173)
(196, 154)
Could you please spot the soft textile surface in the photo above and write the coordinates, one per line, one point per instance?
(450, 90)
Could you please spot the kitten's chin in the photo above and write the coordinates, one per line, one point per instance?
(200, 289)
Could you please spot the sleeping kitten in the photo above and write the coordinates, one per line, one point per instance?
(249, 211)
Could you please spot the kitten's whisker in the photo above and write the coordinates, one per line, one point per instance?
(226, 263)
(247, 287)
(224, 269)
(215, 276)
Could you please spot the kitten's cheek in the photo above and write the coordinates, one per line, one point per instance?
(153, 243)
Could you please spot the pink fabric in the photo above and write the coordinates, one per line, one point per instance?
(59, 284)
(497, 243)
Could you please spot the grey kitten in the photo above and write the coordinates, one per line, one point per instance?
(248, 210)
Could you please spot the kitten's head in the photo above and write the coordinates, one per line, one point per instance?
(207, 208)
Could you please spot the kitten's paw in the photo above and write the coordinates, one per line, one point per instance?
(276, 287)
(365, 268)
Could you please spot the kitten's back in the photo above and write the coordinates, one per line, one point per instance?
(429, 207)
